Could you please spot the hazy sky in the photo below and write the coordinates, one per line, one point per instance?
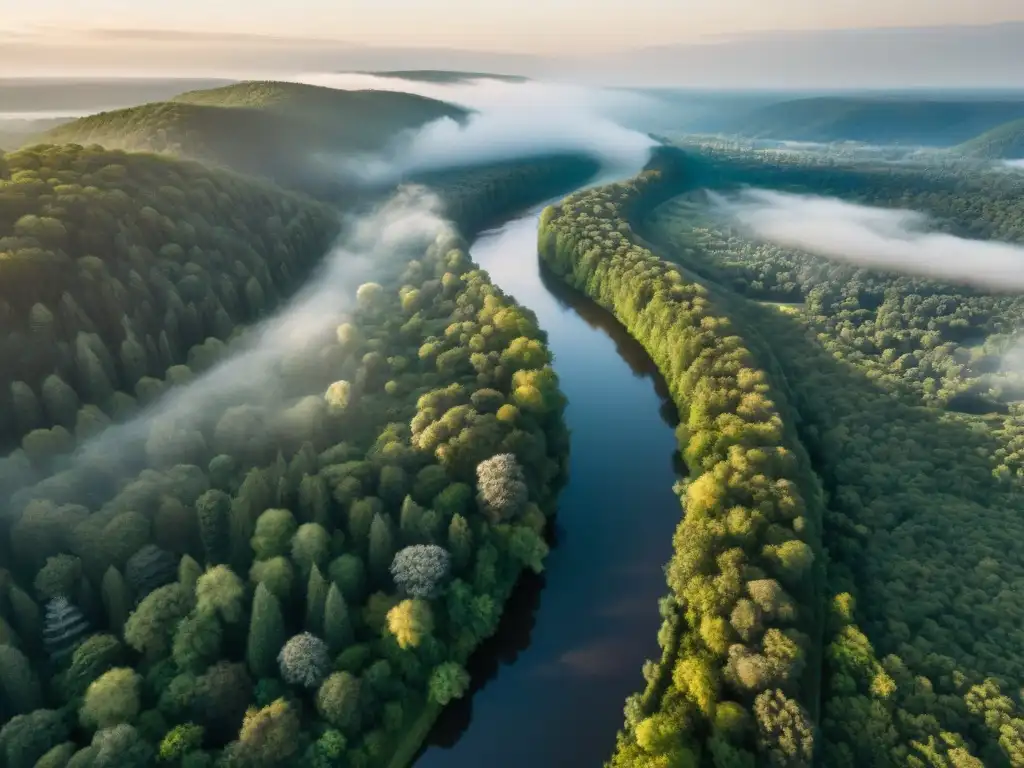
(533, 26)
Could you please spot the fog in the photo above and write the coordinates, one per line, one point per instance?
(1017, 165)
(880, 238)
(509, 120)
(260, 370)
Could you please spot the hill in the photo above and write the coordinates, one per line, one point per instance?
(892, 119)
(113, 266)
(445, 76)
(1004, 142)
(267, 129)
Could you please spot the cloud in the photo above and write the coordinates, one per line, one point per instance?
(510, 120)
(1017, 165)
(878, 238)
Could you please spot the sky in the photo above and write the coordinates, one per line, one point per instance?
(789, 44)
(546, 27)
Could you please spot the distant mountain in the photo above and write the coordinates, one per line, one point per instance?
(891, 119)
(1004, 142)
(271, 129)
(445, 76)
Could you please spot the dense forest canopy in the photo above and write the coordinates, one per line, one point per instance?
(916, 659)
(882, 119)
(270, 129)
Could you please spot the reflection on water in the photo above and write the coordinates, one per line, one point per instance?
(548, 688)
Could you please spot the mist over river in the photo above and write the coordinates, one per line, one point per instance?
(549, 688)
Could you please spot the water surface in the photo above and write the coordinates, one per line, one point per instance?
(549, 687)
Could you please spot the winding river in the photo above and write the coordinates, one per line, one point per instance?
(549, 687)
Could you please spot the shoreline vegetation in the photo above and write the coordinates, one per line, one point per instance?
(300, 579)
(739, 671)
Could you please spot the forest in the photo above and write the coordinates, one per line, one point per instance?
(277, 456)
(916, 601)
(295, 579)
(268, 129)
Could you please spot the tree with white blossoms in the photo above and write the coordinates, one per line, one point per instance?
(304, 660)
(501, 487)
(421, 570)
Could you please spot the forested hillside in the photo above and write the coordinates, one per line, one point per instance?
(917, 660)
(897, 119)
(298, 581)
(1005, 142)
(276, 130)
(116, 268)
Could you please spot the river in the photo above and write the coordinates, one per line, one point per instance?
(548, 689)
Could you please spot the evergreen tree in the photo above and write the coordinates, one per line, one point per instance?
(266, 633)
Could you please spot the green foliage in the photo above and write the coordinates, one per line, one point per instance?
(338, 701)
(266, 633)
(197, 641)
(448, 681)
(132, 293)
(111, 698)
(179, 741)
(219, 592)
(26, 738)
(337, 625)
(151, 625)
(752, 503)
(18, 682)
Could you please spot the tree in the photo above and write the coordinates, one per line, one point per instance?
(266, 633)
(337, 624)
(151, 625)
(92, 658)
(304, 661)
(24, 739)
(448, 681)
(410, 622)
(213, 510)
(149, 568)
(421, 570)
(349, 573)
(111, 698)
(338, 701)
(116, 598)
(338, 397)
(189, 572)
(460, 542)
(121, 746)
(197, 641)
(18, 683)
(276, 573)
(64, 628)
(220, 697)
(59, 577)
(269, 736)
(274, 531)
(501, 487)
(316, 596)
(785, 734)
(180, 741)
(381, 550)
(221, 593)
(311, 547)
